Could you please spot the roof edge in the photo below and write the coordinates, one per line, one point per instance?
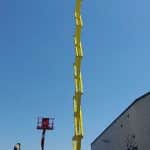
(135, 101)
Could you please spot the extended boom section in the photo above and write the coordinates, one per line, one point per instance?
(78, 127)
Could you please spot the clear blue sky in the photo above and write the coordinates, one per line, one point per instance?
(36, 74)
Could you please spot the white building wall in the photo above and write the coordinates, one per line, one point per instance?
(130, 131)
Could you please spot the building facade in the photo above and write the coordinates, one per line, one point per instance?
(130, 131)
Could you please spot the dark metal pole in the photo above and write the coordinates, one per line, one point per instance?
(17, 146)
(43, 139)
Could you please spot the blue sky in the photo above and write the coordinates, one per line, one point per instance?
(36, 74)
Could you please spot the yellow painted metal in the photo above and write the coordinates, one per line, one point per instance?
(78, 126)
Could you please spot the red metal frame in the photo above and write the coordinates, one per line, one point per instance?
(45, 123)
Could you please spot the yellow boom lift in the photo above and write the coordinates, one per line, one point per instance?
(78, 126)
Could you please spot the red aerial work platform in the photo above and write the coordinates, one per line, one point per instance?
(44, 124)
